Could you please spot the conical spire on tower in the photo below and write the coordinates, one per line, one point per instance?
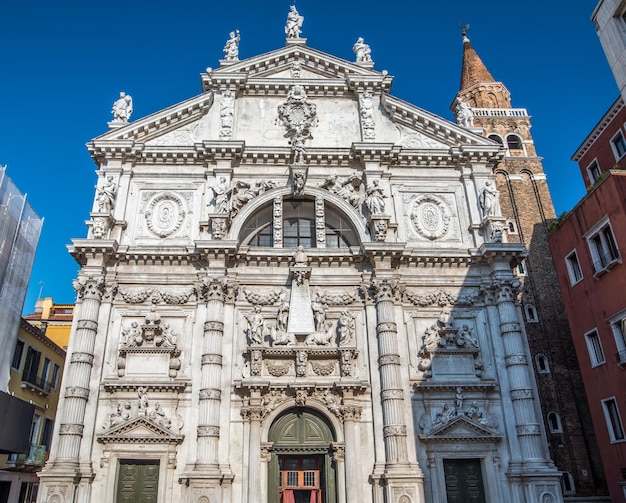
(473, 70)
(478, 87)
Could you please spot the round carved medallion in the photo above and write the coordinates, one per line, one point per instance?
(430, 216)
(165, 214)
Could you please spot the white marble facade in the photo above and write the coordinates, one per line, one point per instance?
(200, 325)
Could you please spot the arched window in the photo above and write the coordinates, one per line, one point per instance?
(514, 142)
(511, 227)
(497, 138)
(299, 226)
(531, 313)
(567, 483)
(543, 367)
(554, 422)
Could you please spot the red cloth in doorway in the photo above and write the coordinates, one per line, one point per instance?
(288, 497)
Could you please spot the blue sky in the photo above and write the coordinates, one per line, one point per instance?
(64, 63)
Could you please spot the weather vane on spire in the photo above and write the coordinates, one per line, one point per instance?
(464, 28)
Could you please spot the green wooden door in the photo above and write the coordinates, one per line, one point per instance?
(137, 481)
(464, 481)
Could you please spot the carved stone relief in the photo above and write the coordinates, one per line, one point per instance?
(430, 216)
(298, 116)
(165, 212)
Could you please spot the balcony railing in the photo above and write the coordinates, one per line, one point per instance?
(36, 382)
(36, 457)
(605, 261)
(500, 112)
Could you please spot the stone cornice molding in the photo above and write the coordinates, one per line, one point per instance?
(491, 253)
(264, 65)
(83, 249)
(160, 122)
(384, 153)
(430, 124)
(375, 84)
(177, 386)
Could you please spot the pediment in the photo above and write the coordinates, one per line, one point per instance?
(461, 429)
(277, 64)
(140, 430)
(186, 131)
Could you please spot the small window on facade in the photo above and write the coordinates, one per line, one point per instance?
(619, 145)
(514, 142)
(531, 313)
(619, 332)
(17, 354)
(511, 227)
(603, 247)
(554, 422)
(573, 268)
(542, 364)
(54, 381)
(496, 138)
(568, 484)
(593, 171)
(594, 346)
(521, 268)
(613, 420)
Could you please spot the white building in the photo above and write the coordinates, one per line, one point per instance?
(609, 18)
(213, 360)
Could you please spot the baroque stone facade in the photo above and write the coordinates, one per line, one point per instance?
(300, 283)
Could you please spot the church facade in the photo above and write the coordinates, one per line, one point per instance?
(297, 287)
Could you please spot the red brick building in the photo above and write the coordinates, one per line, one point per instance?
(588, 246)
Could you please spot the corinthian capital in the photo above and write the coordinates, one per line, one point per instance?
(386, 289)
(89, 287)
(504, 289)
(220, 289)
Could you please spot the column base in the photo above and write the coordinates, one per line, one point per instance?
(404, 480)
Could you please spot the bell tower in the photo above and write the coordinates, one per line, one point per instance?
(527, 206)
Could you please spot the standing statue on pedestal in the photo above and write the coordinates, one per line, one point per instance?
(490, 200)
(362, 51)
(464, 114)
(231, 49)
(293, 27)
(106, 194)
(122, 108)
(375, 199)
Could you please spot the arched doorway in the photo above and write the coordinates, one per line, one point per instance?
(301, 468)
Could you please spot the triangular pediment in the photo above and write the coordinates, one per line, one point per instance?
(140, 430)
(315, 64)
(461, 429)
(260, 85)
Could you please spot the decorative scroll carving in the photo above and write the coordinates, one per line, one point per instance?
(227, 111)
(278, 221)
(320, 222)
(298, 117)
(323, 368)
(366, 109)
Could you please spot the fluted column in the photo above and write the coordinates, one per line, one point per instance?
(90, 290)
(518, 371)
(254, 414)
(211, 380)
(351, 414)
(394, 427)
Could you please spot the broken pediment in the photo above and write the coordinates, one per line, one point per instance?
(461, 429)
(140, 430)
